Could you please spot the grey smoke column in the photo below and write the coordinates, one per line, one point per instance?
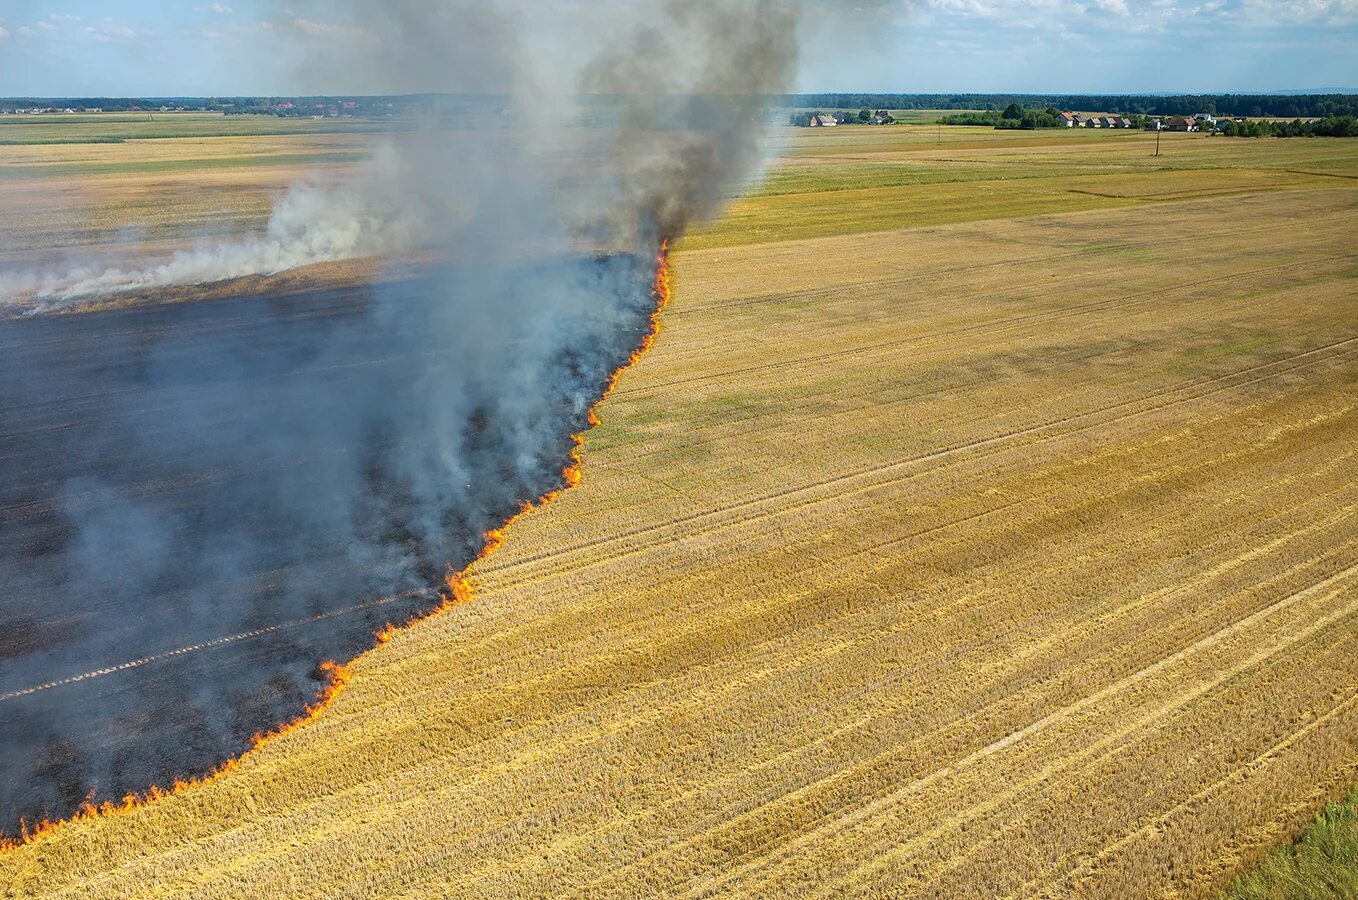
(170, 476)
(689, 83)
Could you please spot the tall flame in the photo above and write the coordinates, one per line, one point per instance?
(457, 591)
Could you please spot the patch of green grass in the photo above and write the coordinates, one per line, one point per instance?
(1207, 356)
(1322, 863)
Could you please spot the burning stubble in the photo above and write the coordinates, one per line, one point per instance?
(201, 502)
(295, 472)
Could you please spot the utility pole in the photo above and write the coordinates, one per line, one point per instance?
(1157, 138)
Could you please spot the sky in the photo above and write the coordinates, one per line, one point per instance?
(249, 47)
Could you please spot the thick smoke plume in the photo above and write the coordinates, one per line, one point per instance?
(227, 492)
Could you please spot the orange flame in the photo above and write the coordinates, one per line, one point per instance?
(458, 591)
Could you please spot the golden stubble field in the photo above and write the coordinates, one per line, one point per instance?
(1008, 555)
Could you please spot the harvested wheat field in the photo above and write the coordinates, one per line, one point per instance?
(1007, 555)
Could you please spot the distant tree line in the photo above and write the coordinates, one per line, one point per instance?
(1271, 105)
(107, 104)
(1330, 126)
(1249, 105)
(276, 106)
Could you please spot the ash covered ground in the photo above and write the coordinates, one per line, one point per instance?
(174, 475)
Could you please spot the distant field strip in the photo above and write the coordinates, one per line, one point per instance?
(1010, 555)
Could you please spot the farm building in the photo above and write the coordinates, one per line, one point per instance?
(813, 120)
(1068, 120)
(1181, 123)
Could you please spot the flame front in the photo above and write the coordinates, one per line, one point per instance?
(457, 592)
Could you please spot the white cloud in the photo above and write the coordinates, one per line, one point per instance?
(1092, 17)
(109, 31)
(223, 9)
(965, 7)
(37, 28)
(1303, 10)
(324, 29)
(4, 34)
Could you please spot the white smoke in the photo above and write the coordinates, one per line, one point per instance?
(316, 221)
(680, 83)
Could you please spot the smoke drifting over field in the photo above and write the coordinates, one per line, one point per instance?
(675, 85)
(274, 467)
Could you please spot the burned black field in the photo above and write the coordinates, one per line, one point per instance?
(201, 502)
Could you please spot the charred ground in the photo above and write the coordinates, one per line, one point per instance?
(257, 474)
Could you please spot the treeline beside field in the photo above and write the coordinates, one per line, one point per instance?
(1255, 105)
(1249, 105)
(107, 104)
(1332, 126)
(1015, 116)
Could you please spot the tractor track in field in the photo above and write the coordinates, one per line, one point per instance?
(1215, 571)
(784, 661)
(862, 812)
(942, 275)
(1036, 786)
(983, 328)
(1339, 350)
(1237, 775)
(1113, 612)
(875, 401)
(1128, 733)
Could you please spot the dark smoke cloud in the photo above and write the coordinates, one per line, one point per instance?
(687, 85)
(171, 476)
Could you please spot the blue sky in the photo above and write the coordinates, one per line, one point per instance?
(185, 47)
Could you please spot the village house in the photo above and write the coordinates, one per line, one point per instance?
(1067, 120)
(1181, 123)
(883, 117)
(822, 120)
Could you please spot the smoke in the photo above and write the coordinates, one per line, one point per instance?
(692, 136)
(313, 223)
(227, 492)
